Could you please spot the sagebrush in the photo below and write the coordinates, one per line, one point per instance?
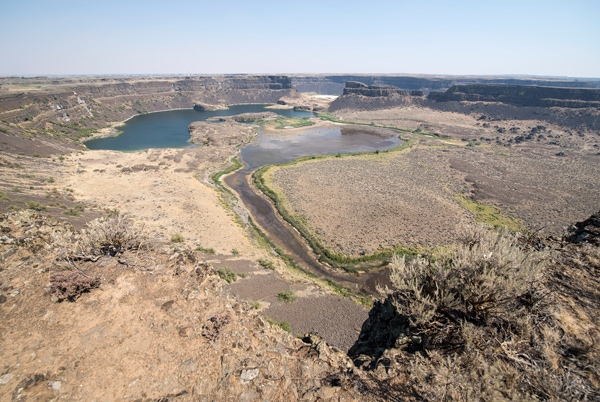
(111, 235)
(481, 324)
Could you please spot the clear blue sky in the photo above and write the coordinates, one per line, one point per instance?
(484, 37)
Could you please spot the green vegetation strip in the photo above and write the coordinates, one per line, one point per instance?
(490, 214)
(339, 260)
(216, 177)
(262, 239)
(292, 122)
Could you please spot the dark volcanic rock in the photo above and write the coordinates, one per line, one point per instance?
(587, 231)
(521, 95)
(361, 96)
(359, 88)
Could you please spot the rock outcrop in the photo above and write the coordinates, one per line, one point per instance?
(226, 132)
(532, 96)
(334, 84)
(365, 97)
(587, 231)
(205, 107)
(358, 88)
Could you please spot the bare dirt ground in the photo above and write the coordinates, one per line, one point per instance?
(357, 205)
(159, 190)
(156, 328)
(159, 193)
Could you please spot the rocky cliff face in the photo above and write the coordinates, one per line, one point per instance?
(76, 108)
(334, 84)
(520, 95)
(361, 96)
(358, 88)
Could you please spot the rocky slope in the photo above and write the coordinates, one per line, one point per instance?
(75, 109)
(127, 322)
(100, 315)
(575, 108)
(359, 95)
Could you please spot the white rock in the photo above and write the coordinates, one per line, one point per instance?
(55, 385)
(5, 378)
(249, 375)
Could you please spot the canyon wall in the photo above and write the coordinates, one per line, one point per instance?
(334, 84)
(77, 107)
(521, 95)
(357, 95)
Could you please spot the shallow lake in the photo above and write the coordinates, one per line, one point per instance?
(271, 147)
(169, 129)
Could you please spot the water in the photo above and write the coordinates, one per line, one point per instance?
(169, 129)
(279, 147)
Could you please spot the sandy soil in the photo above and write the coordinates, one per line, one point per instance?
(310, 101)
(156, 328)
(159, 193)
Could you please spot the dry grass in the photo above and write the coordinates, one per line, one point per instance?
(485, 325)
(111, 235)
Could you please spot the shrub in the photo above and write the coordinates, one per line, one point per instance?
(484, 277)
(227, 274)
(268, 264)
(483, 322)
(206, 250)
(177, 238)
(235, 251)
(70, 285)
(111, 235)
(36, 206)
(76, 210)
(283, 325)
(50, 179)
(287, 296)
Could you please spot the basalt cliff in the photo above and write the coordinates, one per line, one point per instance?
(76, 107)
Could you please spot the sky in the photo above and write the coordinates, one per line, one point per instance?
(484, 37)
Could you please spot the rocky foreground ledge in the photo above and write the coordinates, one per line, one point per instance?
(100, 315)
(128, 322)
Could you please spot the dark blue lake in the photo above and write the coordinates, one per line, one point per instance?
(169, 129)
